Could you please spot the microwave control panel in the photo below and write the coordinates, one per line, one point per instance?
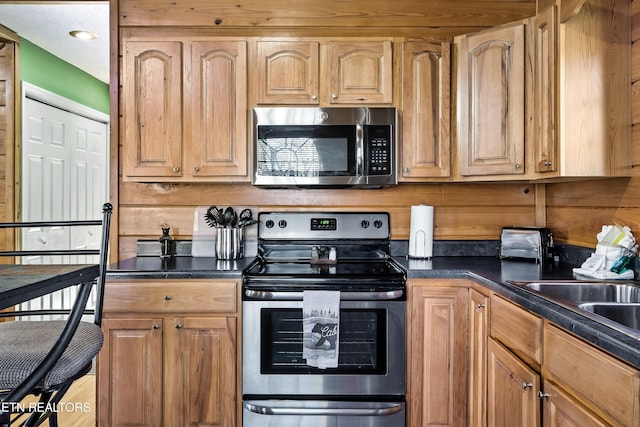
(378, 148)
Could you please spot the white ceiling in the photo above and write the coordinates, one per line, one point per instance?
(48, 26)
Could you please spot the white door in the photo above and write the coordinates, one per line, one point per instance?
(64, 176)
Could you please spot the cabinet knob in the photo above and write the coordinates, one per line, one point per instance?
(547, 163)
(196, 169)
(526, 385)
(178, 325)
(155, 327)
(518, 166)
(334, 96)
(482, 305)
(407, 170)
(314, 97)
(542, 395)
(176, 169)
(167, 297)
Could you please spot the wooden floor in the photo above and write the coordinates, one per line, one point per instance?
(78, 406)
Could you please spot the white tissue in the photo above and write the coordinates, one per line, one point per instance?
(613, 240)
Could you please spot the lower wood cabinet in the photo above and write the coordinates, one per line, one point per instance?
(479, 307)
(541, 375)
(560, 409)
(512, 388)
(166, 361)
(437, 348)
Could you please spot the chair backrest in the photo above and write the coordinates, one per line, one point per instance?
(102, 252)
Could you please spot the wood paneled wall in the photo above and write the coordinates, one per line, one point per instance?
(463, 211)
(7, 132)
(576, 211)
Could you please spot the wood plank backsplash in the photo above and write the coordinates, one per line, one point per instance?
(463, 211)
(576, 211)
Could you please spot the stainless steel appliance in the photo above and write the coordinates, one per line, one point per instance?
(526, 242)
(345, 252)
(329, 147)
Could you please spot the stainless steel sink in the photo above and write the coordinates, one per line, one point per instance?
(614, 304)
(588, 291)
(624, 314)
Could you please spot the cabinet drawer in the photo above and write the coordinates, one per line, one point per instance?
(517, 329)
(602, 383)
(170, 296)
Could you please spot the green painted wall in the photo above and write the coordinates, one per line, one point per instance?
(41, 68)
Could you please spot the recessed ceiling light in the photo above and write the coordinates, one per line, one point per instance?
(84, 35)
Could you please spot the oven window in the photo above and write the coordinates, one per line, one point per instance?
(362, 339)
(306, 151)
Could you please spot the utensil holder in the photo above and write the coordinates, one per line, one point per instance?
(229, 243)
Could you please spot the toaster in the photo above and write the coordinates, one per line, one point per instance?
(526, 243)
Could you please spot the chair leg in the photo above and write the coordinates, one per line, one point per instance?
(51, 402)
(5, 419)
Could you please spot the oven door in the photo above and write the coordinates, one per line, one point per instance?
(372, 349)
(303, 413)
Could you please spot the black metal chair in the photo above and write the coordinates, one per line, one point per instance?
(44, 357)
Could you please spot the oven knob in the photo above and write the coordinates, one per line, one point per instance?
(269, 223)
(365, 223)
(282, 223)
(377, 223)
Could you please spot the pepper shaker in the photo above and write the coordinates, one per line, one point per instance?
(166, 243)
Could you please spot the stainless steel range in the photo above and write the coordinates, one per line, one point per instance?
(324, 309)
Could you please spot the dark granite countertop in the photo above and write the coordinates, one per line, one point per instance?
(489, 271)
(183, 267)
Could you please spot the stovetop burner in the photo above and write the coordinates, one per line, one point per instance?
(341, 273)
(358, 242)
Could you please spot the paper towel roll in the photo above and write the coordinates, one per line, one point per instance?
(421, 232)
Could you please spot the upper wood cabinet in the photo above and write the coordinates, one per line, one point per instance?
(323, 72)
(426, 111)
(491, 102)
(582, 97)
(287, 72)
(184, 108)
(546, 97)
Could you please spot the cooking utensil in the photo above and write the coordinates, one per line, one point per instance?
(229, 217)
(246, 218)
(212, 217)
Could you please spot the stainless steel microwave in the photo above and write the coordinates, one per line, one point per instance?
(324, 147)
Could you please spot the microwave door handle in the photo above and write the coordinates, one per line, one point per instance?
(344, 296)
(269, 410)
(360, 154)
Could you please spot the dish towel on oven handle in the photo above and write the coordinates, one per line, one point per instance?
(321, 326)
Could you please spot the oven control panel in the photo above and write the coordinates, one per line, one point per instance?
(323, 225)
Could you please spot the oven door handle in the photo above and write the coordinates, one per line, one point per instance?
(344, 296)
(375, 412)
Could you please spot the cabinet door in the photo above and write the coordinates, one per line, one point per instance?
(559, 409)
(130, 373)
(201, 372)
(152, 108)
(426, 142)
(512, 389)
(437, 361)
(478, 334)
(491, 97)
(288, 72)
(217, 96)
(359, 72)
(546, 81)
